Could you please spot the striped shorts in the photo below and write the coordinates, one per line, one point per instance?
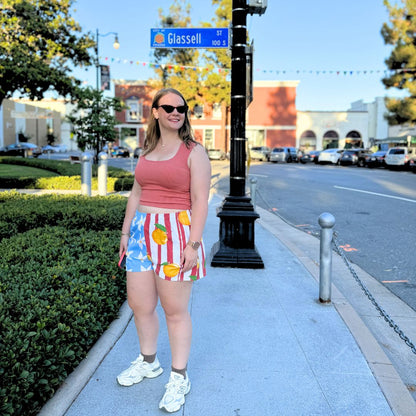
(157, 242)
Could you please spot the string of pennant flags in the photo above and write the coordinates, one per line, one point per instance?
(178, 68)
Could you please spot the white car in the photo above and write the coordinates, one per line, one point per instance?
(400, 156)
(330, 156)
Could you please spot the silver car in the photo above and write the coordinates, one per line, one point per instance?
(400, 156)
(260, 153)
(284, 154)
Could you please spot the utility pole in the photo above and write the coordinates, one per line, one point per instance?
(236, 247)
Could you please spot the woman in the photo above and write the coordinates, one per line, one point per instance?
(163, 241)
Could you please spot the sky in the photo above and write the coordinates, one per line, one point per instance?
(332, 47)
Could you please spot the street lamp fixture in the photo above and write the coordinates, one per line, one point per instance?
(116, 45)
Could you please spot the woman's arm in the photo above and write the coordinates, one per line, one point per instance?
(200, 168)
(132, 204)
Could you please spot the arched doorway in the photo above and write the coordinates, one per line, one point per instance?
(353, 140)
(330, 140)
(307, 141)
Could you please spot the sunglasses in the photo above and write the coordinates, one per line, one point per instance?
(181, 109)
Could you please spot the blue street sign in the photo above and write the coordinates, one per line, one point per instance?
(189, 38)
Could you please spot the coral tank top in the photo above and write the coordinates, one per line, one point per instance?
(165, 183)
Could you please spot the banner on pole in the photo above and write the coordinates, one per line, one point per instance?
(105, 77)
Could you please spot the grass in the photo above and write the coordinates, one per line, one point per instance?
(16, 171)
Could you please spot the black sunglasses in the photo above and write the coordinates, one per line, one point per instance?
(181, 109)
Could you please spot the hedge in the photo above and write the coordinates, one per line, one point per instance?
(70, 179)
(60, 288)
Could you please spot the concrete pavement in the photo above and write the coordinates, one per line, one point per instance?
(262, 345)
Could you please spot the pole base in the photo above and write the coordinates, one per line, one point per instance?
(235, 247)
(243, 258)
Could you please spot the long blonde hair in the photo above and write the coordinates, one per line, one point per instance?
(153, 130)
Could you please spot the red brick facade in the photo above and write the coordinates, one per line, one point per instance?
(270, 118)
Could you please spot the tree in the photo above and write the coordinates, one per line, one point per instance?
(38, 44)
(93, 120)
(171, 63)
(198, 87)
(401, 33)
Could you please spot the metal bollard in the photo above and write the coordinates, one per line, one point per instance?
(102, 173)
(327, 222)
(86, 173)
(253, 186)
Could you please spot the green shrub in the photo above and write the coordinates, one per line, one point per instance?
(60, 288)
(70, 179)
(22, 212)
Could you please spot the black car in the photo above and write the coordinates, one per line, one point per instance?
(354, 157)
(120, 151)
(21, 149)
(412, 165)
(376, 159)
(310, 157)
(137, 152)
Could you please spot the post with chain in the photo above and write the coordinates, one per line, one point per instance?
(327, 222)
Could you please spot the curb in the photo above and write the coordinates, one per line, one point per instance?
(77, 380)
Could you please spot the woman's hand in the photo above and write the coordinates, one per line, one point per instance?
(189, 258)
(123, 244)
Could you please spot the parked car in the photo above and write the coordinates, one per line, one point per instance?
(216, 154)
(353, 157)
(376, 159)
(284, 154)
(21, 149)
(400, 156)
(137, 152)
(49, 149)
(412, 165)
(120, 151)
(330, 156)
(260, 153)
(310, 157)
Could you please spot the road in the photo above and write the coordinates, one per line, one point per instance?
(374, 210)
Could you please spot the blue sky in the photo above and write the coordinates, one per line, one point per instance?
(333, 47)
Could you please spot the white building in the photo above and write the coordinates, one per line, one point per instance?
(361, 126)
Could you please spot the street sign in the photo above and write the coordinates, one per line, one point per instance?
(189, 38)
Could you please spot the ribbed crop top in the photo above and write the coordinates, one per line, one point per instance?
(165, 183)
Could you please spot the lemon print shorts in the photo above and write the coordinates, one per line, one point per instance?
(157, 242)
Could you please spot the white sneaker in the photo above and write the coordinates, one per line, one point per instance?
(138, 370)
(176, 389)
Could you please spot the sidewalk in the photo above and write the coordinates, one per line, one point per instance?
(262, 345)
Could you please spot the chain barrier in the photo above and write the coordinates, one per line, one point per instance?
(381, 311)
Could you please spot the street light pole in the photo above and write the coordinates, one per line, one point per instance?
(235, 247)
(116, 45)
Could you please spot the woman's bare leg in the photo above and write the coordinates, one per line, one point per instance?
(142, 298)
(174, 297)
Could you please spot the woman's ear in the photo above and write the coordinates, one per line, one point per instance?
(155, 113)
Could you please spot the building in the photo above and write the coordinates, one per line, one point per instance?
(270, 118)
(27, 120)
(332, 129)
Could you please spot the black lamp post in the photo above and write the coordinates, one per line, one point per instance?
(116, 45)
(236, 247)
